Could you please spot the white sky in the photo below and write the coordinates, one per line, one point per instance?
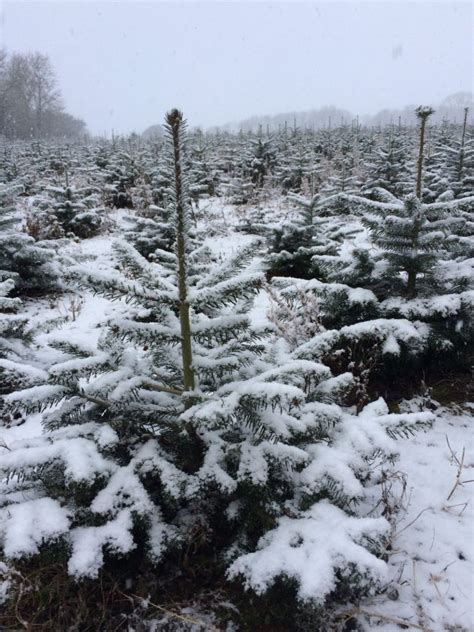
(121, 65)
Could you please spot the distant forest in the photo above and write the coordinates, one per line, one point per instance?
(450, 109)
(31, 105)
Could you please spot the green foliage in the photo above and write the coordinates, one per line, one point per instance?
(29, 262)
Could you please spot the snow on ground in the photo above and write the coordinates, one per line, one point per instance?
(225, 246)
(432, 558)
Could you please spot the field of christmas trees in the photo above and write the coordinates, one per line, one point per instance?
(235, 380)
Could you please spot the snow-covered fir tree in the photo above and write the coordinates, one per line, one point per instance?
(389, 166)
(75, 210)
(416, 266)
(12, 330)
(294, 245)
(150, 229)
(32, 263)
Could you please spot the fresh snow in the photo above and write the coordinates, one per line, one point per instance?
(304, 549)
(431, 561)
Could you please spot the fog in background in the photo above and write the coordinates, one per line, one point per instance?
(121, 65)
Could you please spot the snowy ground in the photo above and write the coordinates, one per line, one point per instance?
(432, 561)
(432, 558)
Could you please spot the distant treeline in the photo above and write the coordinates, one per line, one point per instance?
(30, 99)
(450, 109)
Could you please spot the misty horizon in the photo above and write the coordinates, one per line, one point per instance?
(121, 66)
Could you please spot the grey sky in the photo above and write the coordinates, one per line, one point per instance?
(122, 65)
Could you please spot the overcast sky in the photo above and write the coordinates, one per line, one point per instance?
(121, 65)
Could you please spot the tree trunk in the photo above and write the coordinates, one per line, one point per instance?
(175, 122)
(411, 283)
(463, 139)
(422, 113)
(419, 174)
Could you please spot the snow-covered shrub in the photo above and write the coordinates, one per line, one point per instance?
(32, 263)
(75, 210)
(12, 330)
(120, 174)
(294, 247)
(42, 225)
(416, 266)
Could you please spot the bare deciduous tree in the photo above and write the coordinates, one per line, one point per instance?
(30, 99)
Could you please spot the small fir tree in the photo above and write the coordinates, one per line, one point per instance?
(32, 264)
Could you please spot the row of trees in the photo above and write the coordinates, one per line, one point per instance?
(30, 100)
(189, 441)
